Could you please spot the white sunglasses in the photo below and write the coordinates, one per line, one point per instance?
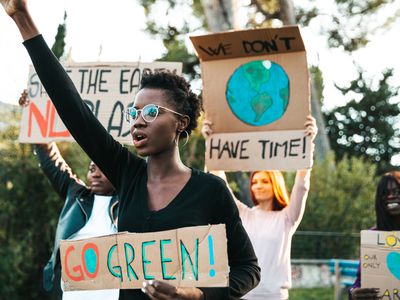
(149, 113)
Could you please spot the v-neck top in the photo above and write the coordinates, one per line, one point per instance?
(205, 199)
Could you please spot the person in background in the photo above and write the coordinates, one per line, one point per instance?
(387, 210)
(160, 192)
(88, 211)
(272, 221)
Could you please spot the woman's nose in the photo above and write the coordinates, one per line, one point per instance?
(139, 121)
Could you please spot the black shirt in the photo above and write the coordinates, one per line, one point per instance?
(204, 200)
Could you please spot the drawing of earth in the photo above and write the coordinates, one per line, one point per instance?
(258, 92)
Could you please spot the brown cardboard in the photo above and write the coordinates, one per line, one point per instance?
(380, 262)
(107, 88)
(271, 150)
(190, 256)
(223, 54)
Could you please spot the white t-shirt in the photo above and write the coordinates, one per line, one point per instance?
(271, 235)
(99, 223)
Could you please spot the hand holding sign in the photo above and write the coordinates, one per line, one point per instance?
(162, 290)
(364, 293)
(23, 99)
(311, 127)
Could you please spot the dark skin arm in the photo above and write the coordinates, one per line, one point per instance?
(163, 291)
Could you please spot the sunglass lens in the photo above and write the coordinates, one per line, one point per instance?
(133, 113)
(150, 112)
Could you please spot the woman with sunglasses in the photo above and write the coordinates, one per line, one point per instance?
(159, 193)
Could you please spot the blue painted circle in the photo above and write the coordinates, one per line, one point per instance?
(212, 273)
(90, 260)
(258, 92)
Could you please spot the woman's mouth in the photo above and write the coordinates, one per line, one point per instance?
(139, 139)
(393, 205)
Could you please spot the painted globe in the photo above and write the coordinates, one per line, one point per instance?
(258, 92)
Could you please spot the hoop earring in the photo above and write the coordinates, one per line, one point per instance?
(178, 138)
(186, 139)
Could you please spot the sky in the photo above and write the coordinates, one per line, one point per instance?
(99, 31)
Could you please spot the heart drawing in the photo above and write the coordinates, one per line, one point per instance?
(393, 264)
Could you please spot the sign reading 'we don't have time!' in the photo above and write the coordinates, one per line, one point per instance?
(256, 93)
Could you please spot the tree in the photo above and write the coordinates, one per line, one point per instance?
(29, 207)
(349, 28)
(365, 126)
(341, 199)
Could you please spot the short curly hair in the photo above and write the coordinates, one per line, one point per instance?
(178, 92)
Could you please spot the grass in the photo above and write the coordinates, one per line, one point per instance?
(314, 294)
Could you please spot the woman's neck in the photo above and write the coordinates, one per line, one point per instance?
(265, 205)
(165, 164)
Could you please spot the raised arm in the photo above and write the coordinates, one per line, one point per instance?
(301, 186)
(51, 161)
(18, 11)
(55, 168)
(108, 154)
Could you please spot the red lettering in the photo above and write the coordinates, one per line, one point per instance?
(77, 269)
(53, 133)
(40, 120)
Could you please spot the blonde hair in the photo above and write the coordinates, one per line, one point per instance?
(281, 195)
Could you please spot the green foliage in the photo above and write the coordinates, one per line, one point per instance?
(28, 214)
(348, 25)
(318, 81)
(341, 199)
(312, 294)
(29, 207)
(59, 43)
(29, 210)
(173, 30)
(364, 127)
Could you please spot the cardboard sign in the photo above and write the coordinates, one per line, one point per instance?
(186, 257)
(380, 262)
(107, 88)
(258, 150)
(255, 81)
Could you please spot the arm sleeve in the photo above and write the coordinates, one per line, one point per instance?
(244, 274)
(357, 282)
(55, 168)
(109, 155)
(298, 197)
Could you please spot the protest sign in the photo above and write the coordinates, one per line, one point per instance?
(107, 88)
(255, 81)
(185, 257)
(380, 262)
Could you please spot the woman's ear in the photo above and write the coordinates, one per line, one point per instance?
(183, 123)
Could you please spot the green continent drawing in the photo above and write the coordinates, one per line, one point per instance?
(256, 74)
(258, 92)
(260, 104)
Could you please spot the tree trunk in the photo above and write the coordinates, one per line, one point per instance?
(322, 145)
(220, 14)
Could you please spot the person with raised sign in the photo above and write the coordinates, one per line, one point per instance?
(387, 210)
(88, 211)
(272, 221)
(159, 193)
